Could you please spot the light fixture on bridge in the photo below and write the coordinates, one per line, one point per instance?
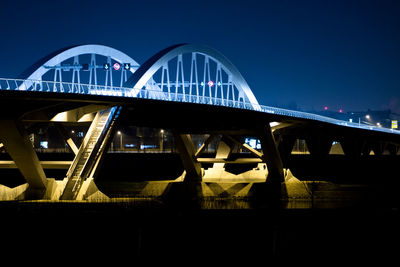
(127, 66)
(106, 66)
(210, 83)
(367, 116)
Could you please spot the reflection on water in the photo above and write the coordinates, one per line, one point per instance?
(211, 203)
(235, 203)
(238, 203)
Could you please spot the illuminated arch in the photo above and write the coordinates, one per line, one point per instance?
(34, 74)
(145, 73)
(39, 69)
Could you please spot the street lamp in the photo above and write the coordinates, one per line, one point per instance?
(367, 117)
(162, 140)
(120, 139)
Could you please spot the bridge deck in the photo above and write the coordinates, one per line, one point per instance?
(124, 95)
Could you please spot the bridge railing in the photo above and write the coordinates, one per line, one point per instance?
(87, 89)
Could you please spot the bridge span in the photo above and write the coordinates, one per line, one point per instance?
(188, 89)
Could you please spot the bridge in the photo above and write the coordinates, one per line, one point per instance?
(188, 89)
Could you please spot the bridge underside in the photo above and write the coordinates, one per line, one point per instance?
(226, 126)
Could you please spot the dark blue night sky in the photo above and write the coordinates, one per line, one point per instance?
(340, 54)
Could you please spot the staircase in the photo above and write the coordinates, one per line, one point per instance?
(89, 152)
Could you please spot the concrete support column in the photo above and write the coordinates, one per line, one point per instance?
(285, 147)
(392, 149)
(366, 149)
(319, 147)
(271, 155)
(20, 148)
(372, 146)
(378, 148)
(187, 152)
(269, 194)
(352, 148)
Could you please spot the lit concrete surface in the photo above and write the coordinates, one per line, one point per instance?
(53, 164)
(294, 194)
(16, 193)
(218, 174)
(19, 147)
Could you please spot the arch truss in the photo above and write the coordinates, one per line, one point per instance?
(80, 69)
(195, 74)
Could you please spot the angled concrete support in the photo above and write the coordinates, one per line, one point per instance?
(269, 193)
(20, 148)
(223, 151)
(187, 152)
(245, 146)
(186, 193)
(64, 133)
(204, 145)
(271, 155)
(91, 149)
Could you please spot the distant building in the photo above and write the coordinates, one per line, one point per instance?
(382, 118)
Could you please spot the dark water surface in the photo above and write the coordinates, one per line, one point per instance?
(149, 231)
(142, 232)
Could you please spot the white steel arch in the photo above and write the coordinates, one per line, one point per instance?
(142, 79)
(145, 73)
(73, 52)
